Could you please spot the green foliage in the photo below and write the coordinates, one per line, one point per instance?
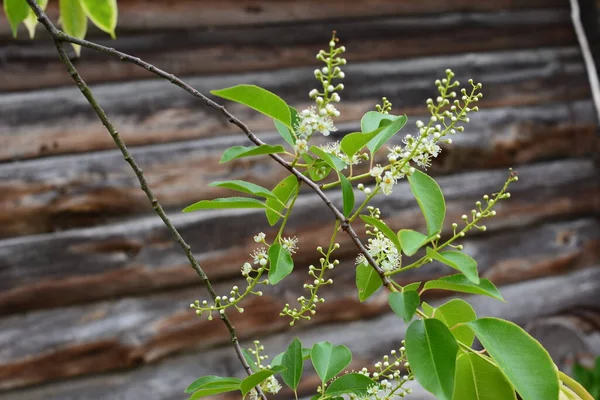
(226, 202)
(74, 20)
(16, 12)
(460, 283)
(286, 132)
(236, 152)
(367, 281)
(457, 260)
(329, 360)
(430, 199)
(478, 379)
(404, 303)
(347, 196)
(246, 187)
(432, 350)
(259, 99)
(284, 191)
(350, 383)
(292, 360)
(454, 314)
(411, 241)
(258, 377)
(31, 20)
(334, 162)
(521, 358)
(103, 13)
(281, 263)
(589, 378)
(388, 233)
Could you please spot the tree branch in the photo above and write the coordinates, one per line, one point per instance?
(346, 226)
(58, 39)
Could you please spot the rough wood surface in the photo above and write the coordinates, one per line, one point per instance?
(139, 255)
(47, 122)
(164, 379)
(33, 65)
(59, 193)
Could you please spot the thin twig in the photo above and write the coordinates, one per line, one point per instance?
(346, 226)
(85, 90)
(587, 55)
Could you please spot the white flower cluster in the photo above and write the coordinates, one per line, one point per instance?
(319, 118)
(269, 385)
(422, 148)
(379, 247)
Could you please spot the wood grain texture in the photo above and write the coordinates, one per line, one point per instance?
(43, 123)
(164, 379)
(60, 193)
(138, 256)
(241, 49)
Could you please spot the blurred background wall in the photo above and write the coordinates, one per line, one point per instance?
(94, 293)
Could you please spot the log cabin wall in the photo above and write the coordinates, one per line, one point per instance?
(94, 293)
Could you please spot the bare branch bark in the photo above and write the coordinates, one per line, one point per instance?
(58, 39)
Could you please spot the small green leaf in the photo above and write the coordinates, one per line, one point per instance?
(347, 195)
(455, 312)
(386, 133)
(411, 241)
(284, 191)
(250, 360)
(333, 161)
(281, 263)
(278, 358)
(245, 187)
(460, 283)
(373, 120)
(367, 281)
(31, 20)
(256, 378)
(319, 170)
(521, 358)
(209, 380)
(478, 379)
(352, 143)
(225, 202)
(74, 21)
(427, 309)
(287, 133)
(387, 232)
(404, 304)
(457, 260)
(292, 360)
(329, 360)
(211, 390)
(259, 99)
(350, 383)
(431, 350)
(430, 199)
(411, 286)
(16, 12)
(103, 14)
(235, 152)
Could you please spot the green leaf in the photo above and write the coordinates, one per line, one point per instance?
(235, 152)
(352, 143)
(281, 263)
(256, 378)
(460, 283)
(457, 260)
(31, 20)
(207, 381)
(103, 14)
(386, 133)
(431, 350)
(411, 241)
(211, 390)
(286, 133)
(333, 161)
(367, 281)
(329, 360)
(478, 379)
(259, 99)
(250, 360)
(278, 358)
(411, 286)
(455, 312)
(373, 120)
(387, 232)
(522, 359)
(74, 21)
(350, 383)
(347, 195)
(245, 187)
(319, 171)
(427, 309)
(284, 192)
(225, 202)
(16, 12)
(430, 199)
(404, 304)
(292, 360)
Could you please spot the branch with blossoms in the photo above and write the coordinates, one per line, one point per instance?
(437, 350)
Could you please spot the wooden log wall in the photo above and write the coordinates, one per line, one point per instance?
(94, 293)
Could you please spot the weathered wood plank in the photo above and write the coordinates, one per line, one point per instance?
(32, 65)
(139, 256)
(143, 15)
(59, 193)
(165, 380)
(60, 121)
